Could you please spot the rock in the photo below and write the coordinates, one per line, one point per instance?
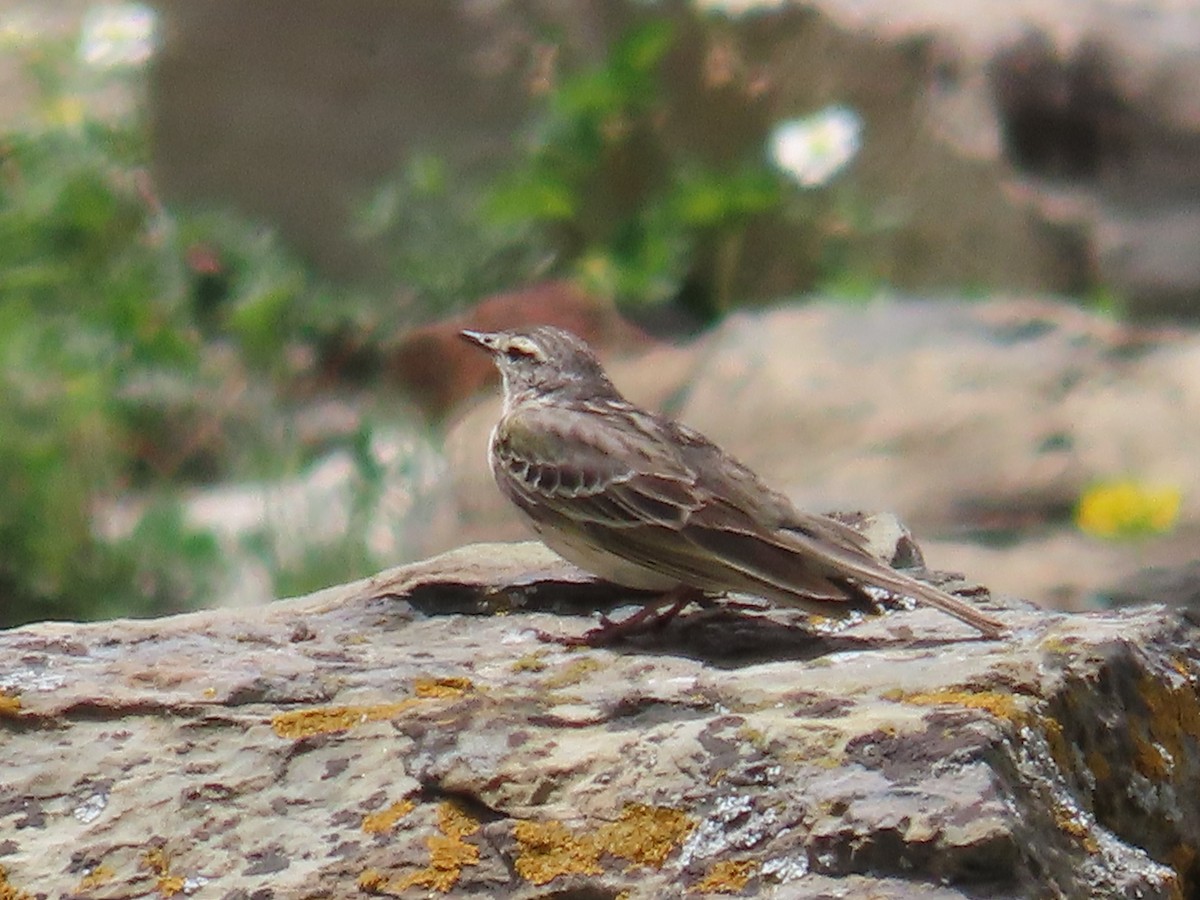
(980, 424)
(348, 742)
(1176, 587)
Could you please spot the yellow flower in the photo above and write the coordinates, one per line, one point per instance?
(1119, 509)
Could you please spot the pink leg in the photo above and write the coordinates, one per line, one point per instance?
(649, 616)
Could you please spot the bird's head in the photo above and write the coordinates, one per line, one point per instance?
(542, 361)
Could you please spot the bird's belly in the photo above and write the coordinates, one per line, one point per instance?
(603, 564)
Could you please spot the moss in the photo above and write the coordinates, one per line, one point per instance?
(385, 820)
(8, 892)
(643, 835)
(1182, 857)
(1149, 760)
(728, 877)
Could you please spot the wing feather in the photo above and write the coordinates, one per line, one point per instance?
(661, 496)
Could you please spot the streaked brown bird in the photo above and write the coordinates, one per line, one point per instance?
(647, 503)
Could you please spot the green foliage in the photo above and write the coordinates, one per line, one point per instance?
(601, 189)
(598, 128)
(127, 333)
(441, 246)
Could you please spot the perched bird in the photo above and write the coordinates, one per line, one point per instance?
(647, 503)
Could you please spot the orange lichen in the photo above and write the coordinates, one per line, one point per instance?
(442, 688)
(373, 881)
(646, 834)
(1099, 766)
(8, 892)
(1182, 857)
(1068, 822)
(572, 673)
(1002, 705)
(530, 662)
(385, 820)
(101, 874)
(10, 704)
(327, 719)
(1172, 723)
(549, 849)
(1148, 758)
(643, 835)
(158, 861)
(728, 877)
(454, 821)
(448, 854)
(999, 704)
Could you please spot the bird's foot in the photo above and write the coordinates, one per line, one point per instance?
(612, 631)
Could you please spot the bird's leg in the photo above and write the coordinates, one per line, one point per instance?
(652, 615)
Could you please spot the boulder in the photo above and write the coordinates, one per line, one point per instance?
(410, 735)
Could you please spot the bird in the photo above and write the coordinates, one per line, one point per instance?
(647, 503)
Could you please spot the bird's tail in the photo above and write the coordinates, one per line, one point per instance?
(881, 575)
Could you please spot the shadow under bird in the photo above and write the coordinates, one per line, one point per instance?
(647, 503)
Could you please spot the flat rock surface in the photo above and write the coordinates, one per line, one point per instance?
(410, 734)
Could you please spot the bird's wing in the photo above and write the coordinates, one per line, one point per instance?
(654, 494)
(665, 498)
(618, 471)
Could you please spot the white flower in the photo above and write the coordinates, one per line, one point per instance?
(120, 35)
(813, 149)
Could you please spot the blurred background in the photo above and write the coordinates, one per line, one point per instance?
(936, 259)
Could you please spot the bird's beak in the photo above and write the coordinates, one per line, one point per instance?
(480, 339)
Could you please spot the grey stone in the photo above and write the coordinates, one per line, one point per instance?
(347, 741)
